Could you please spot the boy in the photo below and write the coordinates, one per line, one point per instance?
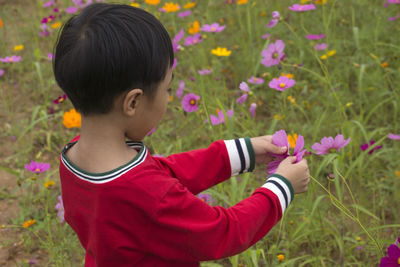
(127, 207)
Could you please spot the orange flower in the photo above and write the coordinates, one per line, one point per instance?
(72, 119)
(241, 2)
(195, 27)
(281, 257)
(384, 64)
(28, 223)
(189, 5)
(56, 25)
(170, 7)
(290, 76)
(1, 23)
(152, 2)
(134, 4)
(292, 139)
(49, 184)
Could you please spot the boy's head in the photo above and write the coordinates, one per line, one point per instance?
(107, 50)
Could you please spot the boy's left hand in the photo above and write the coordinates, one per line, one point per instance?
(263, 148)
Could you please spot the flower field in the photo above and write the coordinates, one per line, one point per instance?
(321, 76)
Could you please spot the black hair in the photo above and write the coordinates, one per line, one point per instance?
(108, 49)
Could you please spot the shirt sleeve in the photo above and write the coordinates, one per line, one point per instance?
(186, 228)
(203, 168)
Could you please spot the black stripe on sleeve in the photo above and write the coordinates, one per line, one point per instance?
(280, 188)
(241, 155)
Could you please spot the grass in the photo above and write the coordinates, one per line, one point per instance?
(348, 220)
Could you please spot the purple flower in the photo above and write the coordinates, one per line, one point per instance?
(252, 109)
(184, 14)
(272, 23)
(393, 1)
(366, 146)
(60, 99)
(49, 3)
(273, 54)
(189, 102)
(177, 38)
(71, 9)
(179, 91)
(255, 80)
(50, 56)
(276, 15)
(215, 27)
(37, 167)
(302, 8)
(328, 144)
(221, 118)
(151, 131)
(204, 71)
(242, 99)
(206, 198)
(244, 87)
(394, 18)
(394, 136)
(10, 59)
(266, 36)
(322, 46)
(315, 36)
(393, 258)
(60, 209)
(1, 72)
(281, 83)
(193, 39)
(280, 139)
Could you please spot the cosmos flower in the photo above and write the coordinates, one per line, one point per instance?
(1, 72)
(181, 87)
(244, 87)
(206, 198)
(37, 167)
(205, 71)
(330, 145)
(221, 117)
(151, 131)
(60, 209)
(322, 46)
(255, 80)
(274, 20)
(215, 27)
(393, 258)
(302, 8)
(281, 83)
(170, 7)
(252, 109)
(367, 145)
(184, 14)
(11, 59)
(393, 1)
(71, 9)
(189, 102)
(72, 119)
(193, 39)
(273, 54)
(60, 99)
(177, 38)
(315, 36)
(394, 136)
(48, 4)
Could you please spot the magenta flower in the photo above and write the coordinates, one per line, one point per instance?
(204, 71)
(215, 27)
(1, 72)
(179, 91)
(189, 102)
(177, 38)
(174, 64)
(265, 36)
(394, 136)
(393, 258)
(274, 20)
(151, 131)
(37, 167)
(330, 145)
(302, 8)
(244, 87)
(281, 83)
(366, 146)
(49, 3)
(280, 139)
(394, 18)
(255, 80)
(393, 1)
(221, 117)
(206, 198)
(60, 209)
(50, 56)
(10, 59)
(273, 54)
(193, 39)
(60, 99)
(322, 46)
(184, 14)
(315, 36)
(252, 109)
(71, 9)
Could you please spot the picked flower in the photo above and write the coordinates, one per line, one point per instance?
(221, 117)
(370, 144)
(393, 258)
(37, 167)
(214, 27)
(330, 145)
(60, 209)
(255, 80)
(221, 52)
(302, 8)
(281, 83)
(273, 55)
(189, 102)
(72, 119)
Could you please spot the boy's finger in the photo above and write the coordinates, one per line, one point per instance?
(277, 149)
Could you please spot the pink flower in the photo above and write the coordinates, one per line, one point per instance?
(184, 14)
(393, 1)
(328, 144)
(60, 209)
(10, 59)
(215, 27)
(322, 46)
(204, 71)
(394, 136)
(394, 18)
(280, 139)
(282, 83)
(151, 131)
(37, 167)
(174, 64)
(189, 102)
(302, 8)
(266, 36)
(193, 39)
(1, 72)
(315, 36)
(273, 54)
(49, 3)
(367, 145)
(241, 99)
(274, 20)
(255, 80)
(177, 38)
(252, 109)
(179, 91)
(50, 56)
(244, 87)
(71, 9)
(221, 118)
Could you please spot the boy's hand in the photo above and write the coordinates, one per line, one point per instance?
(297, 173)
(263, 148)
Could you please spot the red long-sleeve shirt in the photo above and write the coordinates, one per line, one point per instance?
(145, 213)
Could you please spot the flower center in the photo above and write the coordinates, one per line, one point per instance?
(275, 55)
(332, 150)
(37, 170)
(282, 85)
(192, 102)
(10, 60)
(212, 29)
(255, 79)
(398, 260)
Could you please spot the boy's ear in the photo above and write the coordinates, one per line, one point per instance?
(131, 101)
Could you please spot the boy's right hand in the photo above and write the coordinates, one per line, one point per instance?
(297, 173)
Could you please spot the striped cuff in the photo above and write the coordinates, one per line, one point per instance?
(241, 155)
(282, 188)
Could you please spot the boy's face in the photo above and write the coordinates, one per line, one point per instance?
(150, 111)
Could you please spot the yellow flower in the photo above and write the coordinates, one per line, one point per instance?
(135, 4)
(194, 28)
(348, 104)
(152, 2)
(221, 52)
(241, 2)
(358, 238)
(18, 47)
(28, 223)
(171, 7)
(324, 57)
(305, 1)
(292, 139)
(397, 173)
(56, 25)
(384, 64)
(320, 2)
(49, 184)
(331, 53)
(292, 100)
(72, 119)
(281, 257)
(189, 5)
(278, 117)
